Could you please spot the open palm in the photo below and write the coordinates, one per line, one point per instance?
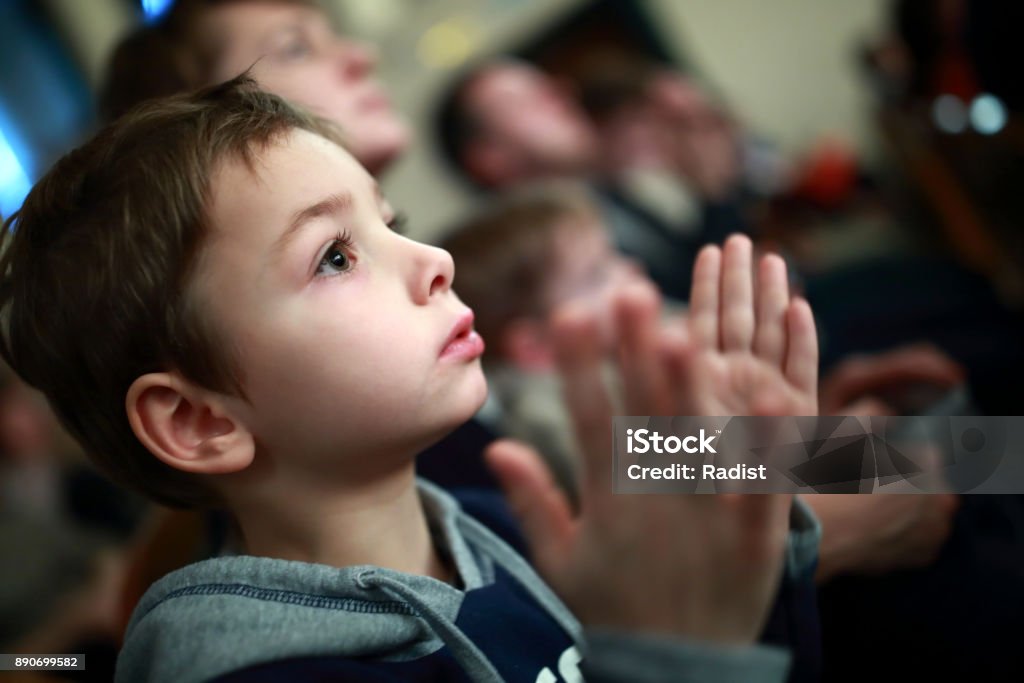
(753, 349)
(698, 566)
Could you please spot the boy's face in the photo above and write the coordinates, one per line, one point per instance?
(295, 53)
(352, 345)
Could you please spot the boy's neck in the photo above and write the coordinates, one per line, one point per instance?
(381, 524)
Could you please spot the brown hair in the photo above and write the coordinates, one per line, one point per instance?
(505, 254)
(456, 126)
(96, 267)
(167, 57)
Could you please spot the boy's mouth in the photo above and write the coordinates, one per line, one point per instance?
(463, 342)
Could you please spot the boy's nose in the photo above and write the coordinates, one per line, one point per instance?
(433, 273)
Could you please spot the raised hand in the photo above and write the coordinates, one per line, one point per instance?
(700, 566)
(753, 350)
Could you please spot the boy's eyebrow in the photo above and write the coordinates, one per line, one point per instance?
(333, 204)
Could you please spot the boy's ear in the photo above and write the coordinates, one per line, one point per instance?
(187, 427)
(526, 344)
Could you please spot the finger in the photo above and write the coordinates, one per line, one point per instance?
(802, 348)
(918, 364)
(540, 506)
(940, 365)
(737, 294)
(678, 357)
(644, 381)
(579, 358)
(772, 301)
(707, 273)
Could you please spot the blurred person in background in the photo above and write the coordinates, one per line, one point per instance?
(64, 528)
(44, 476)
(659, 126)
(60, 592)
(288, 46)
(519, 258)
(30, 470)
(505, 123)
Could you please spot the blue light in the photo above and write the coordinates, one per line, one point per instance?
(154, 9)
(14, 182)
(988, 114)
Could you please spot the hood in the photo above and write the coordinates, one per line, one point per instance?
(228, 613)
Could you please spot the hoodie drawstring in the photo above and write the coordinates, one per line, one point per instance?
(469, 656)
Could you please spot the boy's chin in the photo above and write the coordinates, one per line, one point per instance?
(470, 400)
(460, 404)
(475, 397)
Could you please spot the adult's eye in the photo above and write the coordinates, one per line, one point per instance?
(296, 48)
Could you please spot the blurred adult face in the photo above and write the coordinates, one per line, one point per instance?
(530, 118)
(294, 52)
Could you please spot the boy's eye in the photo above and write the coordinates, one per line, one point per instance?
(336, 259)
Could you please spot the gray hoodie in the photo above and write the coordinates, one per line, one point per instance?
(231, 613)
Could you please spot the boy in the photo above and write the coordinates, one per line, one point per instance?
(229, 321)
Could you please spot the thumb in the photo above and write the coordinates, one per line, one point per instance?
(541, 507)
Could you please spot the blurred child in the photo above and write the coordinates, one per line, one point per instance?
(517, 261)
(232, 323)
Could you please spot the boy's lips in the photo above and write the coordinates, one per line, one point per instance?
(463, 342)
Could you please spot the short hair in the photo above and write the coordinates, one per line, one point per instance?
(96, 269)
(166, 57)
(504, 254)
(455, 126)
